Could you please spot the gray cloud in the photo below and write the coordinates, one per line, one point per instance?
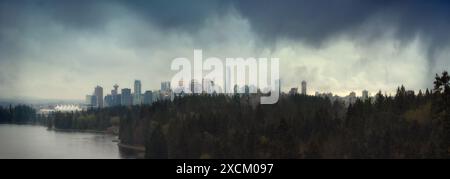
(48, 37)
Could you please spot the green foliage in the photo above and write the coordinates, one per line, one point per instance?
(93, 119)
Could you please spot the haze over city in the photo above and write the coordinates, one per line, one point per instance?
(62, 50)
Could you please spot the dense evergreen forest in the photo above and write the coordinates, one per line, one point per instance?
(92, 119)
(401, 126)
(20, 114)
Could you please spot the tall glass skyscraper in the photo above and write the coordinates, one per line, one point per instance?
(165, 86)
(303, 87)
(137, 92)
(126, 97)
(148, 97)
(99, 94)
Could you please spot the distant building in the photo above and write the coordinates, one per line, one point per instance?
(99, 94)
(165, 86)
(247, 90)
(351, 98)
(93, 101)
(365, 95)
(207, 86)
(117, 99)
(156, 95)
(88, 100)
(195, 86)
(137, 92)
(148, 97)
(303, 87)
(109, 100)
(180, 90)
(115, 90)
(236, 89)
(126, 98)
(115, 96)
(67, 108)
(293, 91)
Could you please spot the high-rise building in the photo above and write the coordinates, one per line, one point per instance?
(247, 90)
(117, 100)
(88, 100)
(351, 97)
(303, 87)
(156, 95)
(137, 92)
(93, 101)
(165, 86)
(109, 100)
(207, 86)
(195, 86)
(126, 98)
(365, 95)
(148, 97)
(99, 94)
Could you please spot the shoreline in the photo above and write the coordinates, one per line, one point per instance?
(135, 148)
(78, 130)
(107, 131)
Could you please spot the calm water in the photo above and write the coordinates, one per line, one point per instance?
(28, 141)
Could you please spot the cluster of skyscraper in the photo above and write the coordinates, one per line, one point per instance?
(295, 90)
(126, 97)
(349, 99)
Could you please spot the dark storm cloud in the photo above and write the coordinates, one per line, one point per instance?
(315, 21)
(76, 14)
(311, 21)
(92, 14)
(179, 14)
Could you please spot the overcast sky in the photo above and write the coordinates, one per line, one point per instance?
(63, 49)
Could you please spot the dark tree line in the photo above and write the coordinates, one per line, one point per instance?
(402, 126)
(20, 114)
(92, 119)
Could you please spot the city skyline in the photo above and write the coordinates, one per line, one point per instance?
(165, 86)
(49, 50)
